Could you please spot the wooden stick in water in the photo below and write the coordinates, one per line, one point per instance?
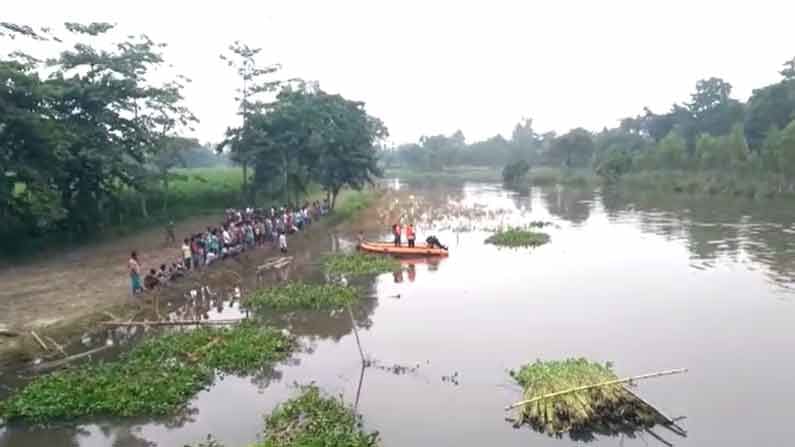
(58, 363)
(59, 347)
(597, 385)
(172, 323)
(41, 343)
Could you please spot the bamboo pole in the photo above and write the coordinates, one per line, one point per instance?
(597, 385)
(41, 343)
(58, 363)
(57, 346)
(356, 333)
(172, 323)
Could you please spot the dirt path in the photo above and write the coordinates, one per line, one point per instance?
(69, 285)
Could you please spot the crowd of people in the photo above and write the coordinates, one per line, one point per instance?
(240, 230)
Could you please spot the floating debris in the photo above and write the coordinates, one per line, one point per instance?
(313, 419)
(298, 295)
(578, 396)
(515, 237)
(359, 264)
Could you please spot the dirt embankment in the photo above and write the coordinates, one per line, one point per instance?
(64, 292)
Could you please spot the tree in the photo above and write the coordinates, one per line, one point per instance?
(771, 106)
(255, 82)
(713, 110)
(310, 135)
(573, 149)
(514, 173)
(671, 151)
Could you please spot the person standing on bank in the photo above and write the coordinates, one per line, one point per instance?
(186, 254)
(135, 273)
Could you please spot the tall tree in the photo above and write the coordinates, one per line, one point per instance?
(256, 83)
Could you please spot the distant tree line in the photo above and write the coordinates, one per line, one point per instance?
(87, 131)
(712, 132)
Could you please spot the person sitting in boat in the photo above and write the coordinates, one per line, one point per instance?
(433, 242)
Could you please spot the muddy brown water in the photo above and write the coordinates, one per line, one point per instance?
(648, 282)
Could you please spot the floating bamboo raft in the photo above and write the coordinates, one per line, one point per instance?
(577, 396)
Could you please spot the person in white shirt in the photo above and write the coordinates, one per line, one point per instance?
(283, 242)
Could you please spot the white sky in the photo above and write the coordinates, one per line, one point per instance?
(427, 67)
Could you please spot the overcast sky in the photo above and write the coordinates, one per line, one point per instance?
(428, 67)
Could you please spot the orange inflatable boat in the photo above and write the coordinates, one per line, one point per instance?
(403, 250)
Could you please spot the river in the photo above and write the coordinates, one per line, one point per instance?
(648, 282)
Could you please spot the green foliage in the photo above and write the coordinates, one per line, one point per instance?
(359, 264)
(515, 173)
(515, 237)
(312, 419)
(586, 410)
(298, 295)
(156, 377)
(613, 164)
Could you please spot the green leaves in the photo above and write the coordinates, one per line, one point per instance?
(359, 264)
(515, 237)
(297, 295)
(156, 377)
(313, 419)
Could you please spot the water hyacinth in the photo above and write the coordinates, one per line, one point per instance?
(606, 409)
(298, 295)
(156, 377)
(359, 264)
(312, 419)
(515, 237)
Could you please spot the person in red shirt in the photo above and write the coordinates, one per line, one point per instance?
(410, 236)
(396, 232)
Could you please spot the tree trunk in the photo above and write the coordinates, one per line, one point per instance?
(245, 182)
(334, 197)
(144, 210)
(165, 194)
(286, 190)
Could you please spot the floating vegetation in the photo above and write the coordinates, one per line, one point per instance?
(298, 295)
(571, 396)
(156, 377)
(359, 264)
(515, 237)
(312, 419)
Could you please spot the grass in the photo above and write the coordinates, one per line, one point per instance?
(359, 264)
(350, 203)
(515, 237)
(156, 377)
(298, 295)
(608, 408)
(313, 419)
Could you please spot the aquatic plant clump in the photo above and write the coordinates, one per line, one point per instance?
(515, 237)
(298, 295)
(359, 264)
(312, 419)
(156, 377)
(604, 409)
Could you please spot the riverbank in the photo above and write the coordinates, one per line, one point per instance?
(69, 293)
